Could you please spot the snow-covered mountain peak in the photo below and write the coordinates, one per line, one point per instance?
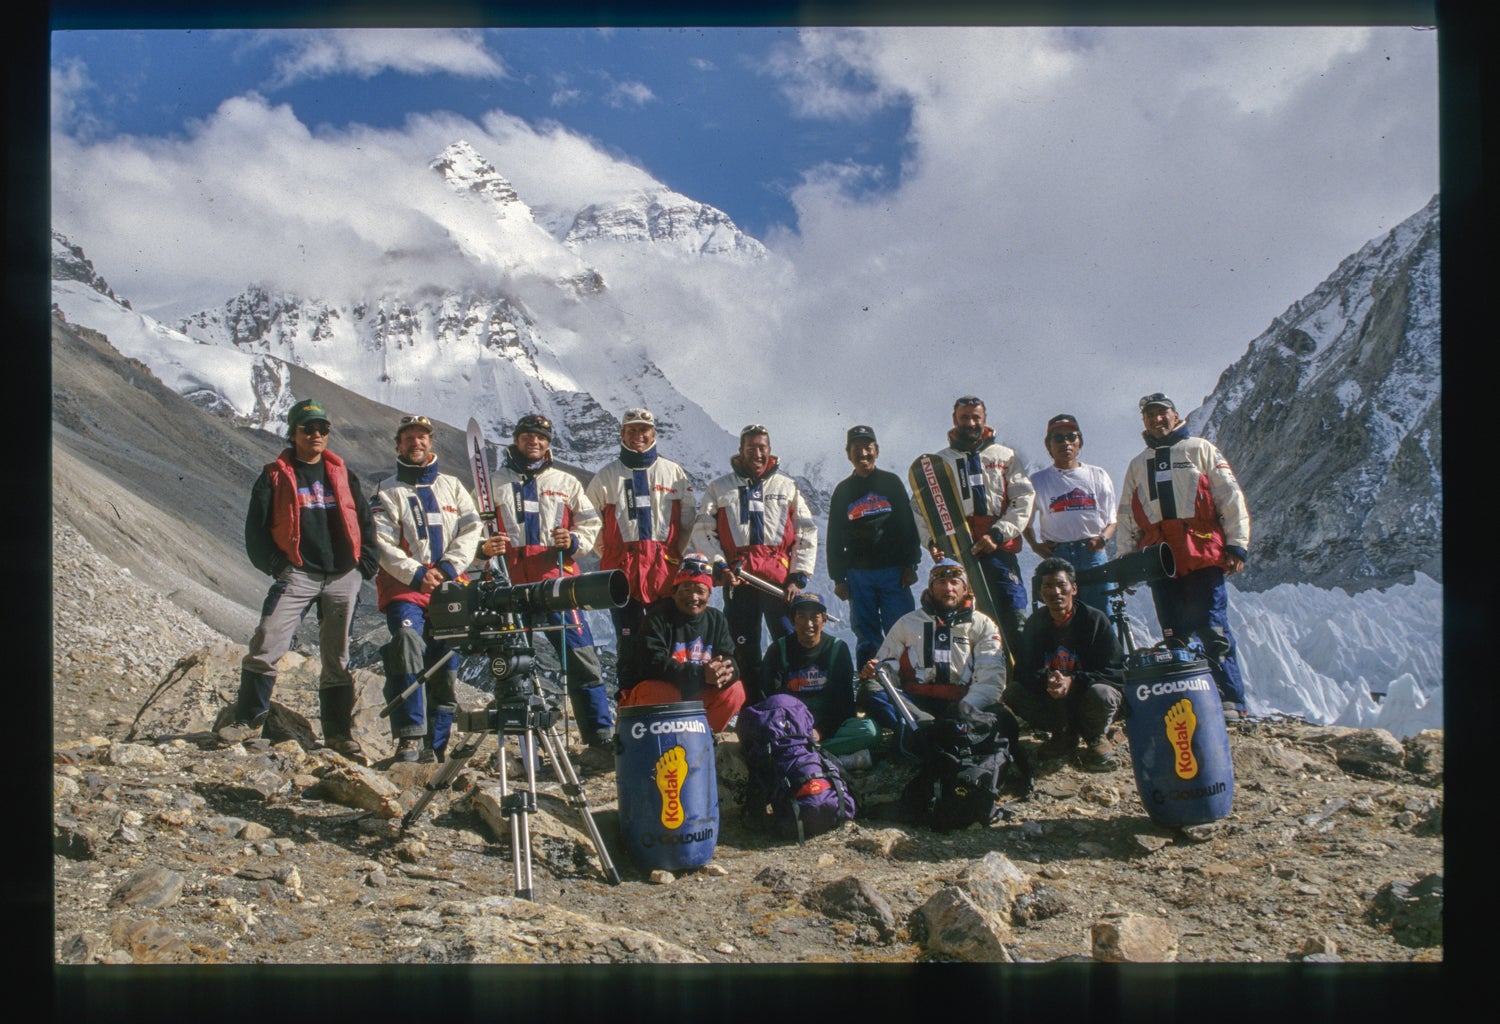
(667, 219)
(466, 171)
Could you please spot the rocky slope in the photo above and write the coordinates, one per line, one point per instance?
(169, 848)
(1333, 421)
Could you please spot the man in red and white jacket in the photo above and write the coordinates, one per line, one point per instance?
(543, 522)
(1181, 492)
(755, 518)
(647, 507)
(427, 528)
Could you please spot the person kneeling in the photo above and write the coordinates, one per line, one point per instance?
(944, 652)
(686, 651)
(1070, 676)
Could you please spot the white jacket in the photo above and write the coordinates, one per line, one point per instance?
(730, 514)
(422, 524)
(1009, 496)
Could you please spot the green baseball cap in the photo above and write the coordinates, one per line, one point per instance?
(307, 411)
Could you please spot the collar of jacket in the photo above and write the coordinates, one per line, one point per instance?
(411, 473)
(985, 439)
(1180, 434)
(963, 613)
(637, 460)
(514, 460)
(739, 467)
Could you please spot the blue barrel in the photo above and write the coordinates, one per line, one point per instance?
(667, 784)
(1178, 743)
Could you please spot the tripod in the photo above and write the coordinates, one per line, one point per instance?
(533, 721)
(1120, 619)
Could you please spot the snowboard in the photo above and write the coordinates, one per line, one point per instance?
(936, 493)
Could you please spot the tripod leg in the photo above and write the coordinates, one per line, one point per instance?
(442, 777)
(567, 777)
(520, 805)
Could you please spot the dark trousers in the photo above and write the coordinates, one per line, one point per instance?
(1197, 605)
(745, 608)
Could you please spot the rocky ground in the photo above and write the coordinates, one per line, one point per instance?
(170, 848)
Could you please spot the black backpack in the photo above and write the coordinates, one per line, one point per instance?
(970, 756)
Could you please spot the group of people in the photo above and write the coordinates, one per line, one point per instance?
(1060, 667)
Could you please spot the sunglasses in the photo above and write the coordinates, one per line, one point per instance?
(946, 573)
(416, 421)
(1061, 438)
(314, 428)
(967, 400)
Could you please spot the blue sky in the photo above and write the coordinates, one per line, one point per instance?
(1055, 218)
(696, 108)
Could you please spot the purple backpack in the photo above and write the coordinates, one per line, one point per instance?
(795, 790)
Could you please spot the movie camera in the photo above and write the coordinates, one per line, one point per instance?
(1144, 566)
(488, 617)
(495, 619)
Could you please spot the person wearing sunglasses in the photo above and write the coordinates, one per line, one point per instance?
(1075, 509)
(997, 500)
(648, 507)
(942, 652)
(543, 524)
(309, 527)
(427, 528)
(755, 518)
(1182, 492)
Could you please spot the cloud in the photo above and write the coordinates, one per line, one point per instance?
(365, 53)
(702, 64)
(70, 88)
(1083, 216)
(1080, 216)
(629, 94)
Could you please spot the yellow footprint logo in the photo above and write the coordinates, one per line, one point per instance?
(671, 772)
(1181, 724)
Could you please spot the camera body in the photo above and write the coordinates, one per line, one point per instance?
(489, 618)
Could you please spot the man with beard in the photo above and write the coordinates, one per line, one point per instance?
(426, 528)
(648, 509)
(1075, 509)
(543, 522)
(816, 669)
(754, 518)
(1181, 492)
(872, 544)
(309, 527)
(683, 652)
(997, 500)
(943, 652)
(1070, 673)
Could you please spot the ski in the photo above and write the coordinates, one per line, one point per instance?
(483, 496)
(933, 486)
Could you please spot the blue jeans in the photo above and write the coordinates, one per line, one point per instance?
(1080, 557)
(1197, 605)
(876, 600)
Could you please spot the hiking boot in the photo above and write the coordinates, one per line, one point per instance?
(240, 731)
(408, 749)
(604, 739)
(427, 755)
(348, 746)
(1233, 714)
(1099, 755)
(859, 761)
(1059, 745)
